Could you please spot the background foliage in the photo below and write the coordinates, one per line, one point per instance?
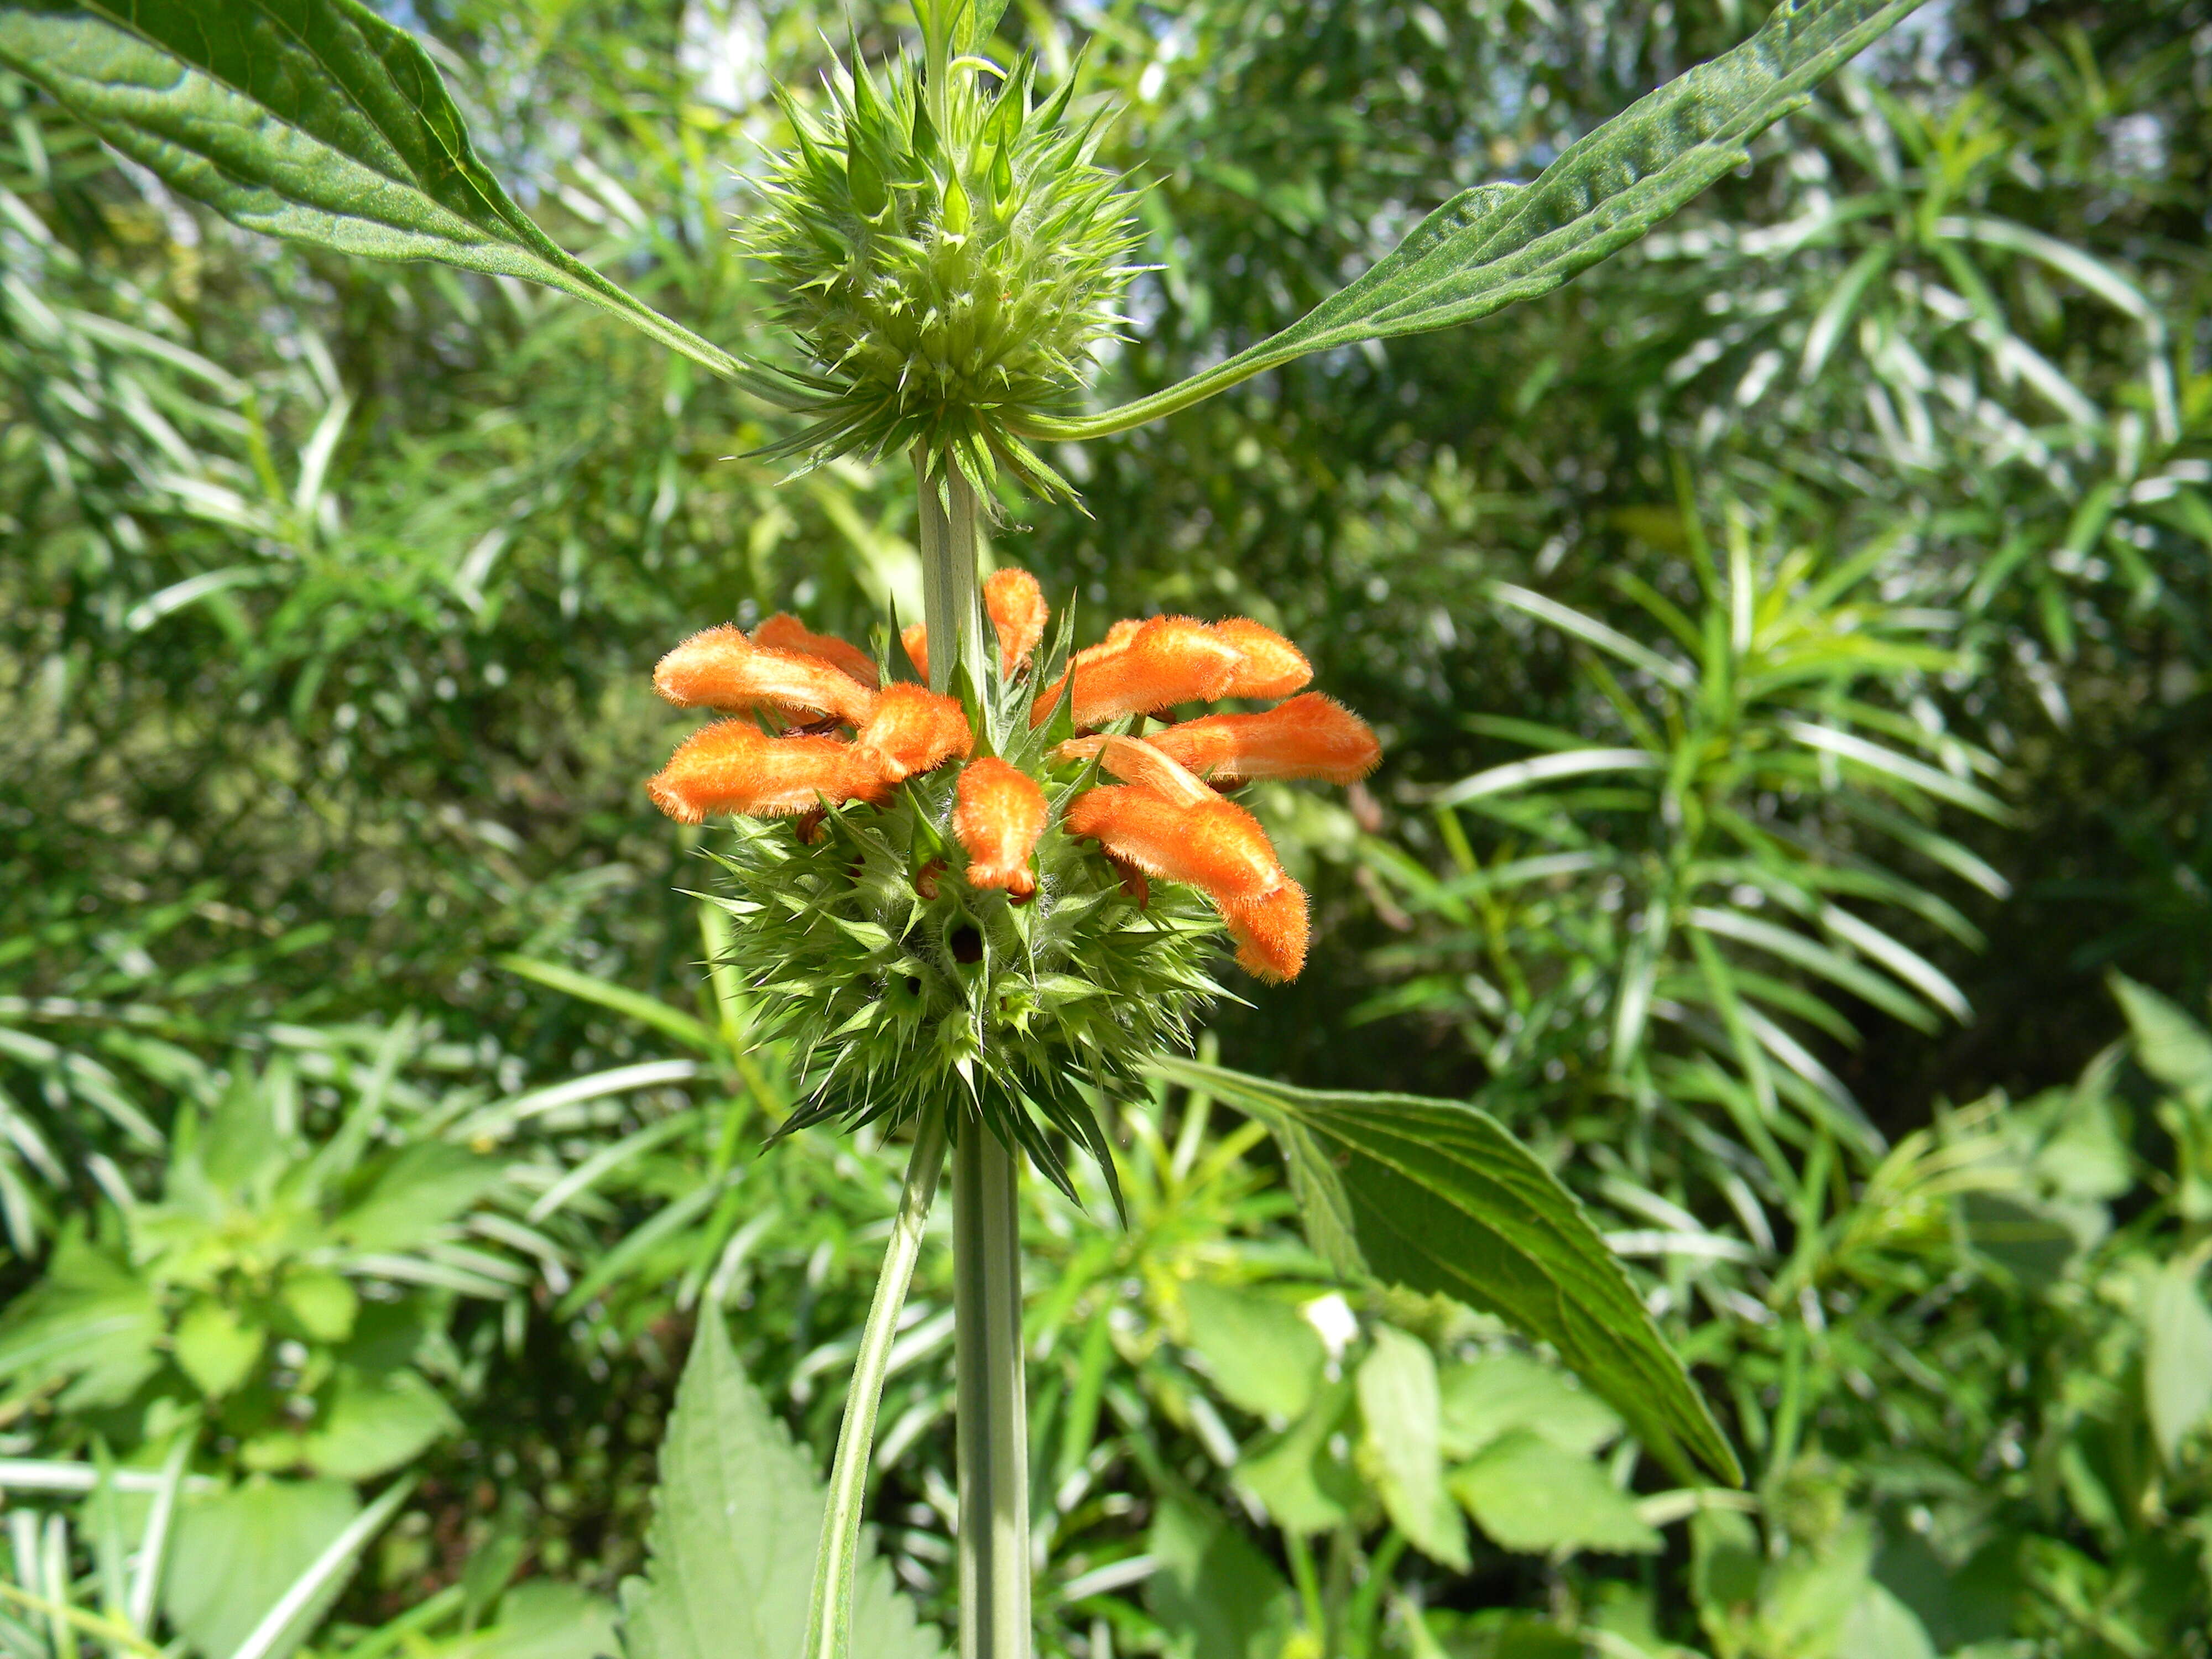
(1789, 641)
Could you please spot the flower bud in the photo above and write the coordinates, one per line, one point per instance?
(1310, 736)
(1214, 845)
(1018, 613)
(732, 766)
(1270, 932)
(721, 669)
(914, 730)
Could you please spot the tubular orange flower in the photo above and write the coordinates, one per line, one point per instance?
(785, 632)
(732, 766)
(722, 669)
(1213, 845)
(1270, 932)
(1270, 665)
(1308, 736)
(1017, 612)
(914, 730)
(1140, 763)
(998, 816)
(914, 637)
(1160, 662)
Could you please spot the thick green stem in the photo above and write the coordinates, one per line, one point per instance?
(993, 1416)
(829, 1621)
(949, 600)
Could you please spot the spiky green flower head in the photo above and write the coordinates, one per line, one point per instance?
(904, 988)
(949, 251)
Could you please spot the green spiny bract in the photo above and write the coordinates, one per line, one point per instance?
(902, 990)
(949, 258)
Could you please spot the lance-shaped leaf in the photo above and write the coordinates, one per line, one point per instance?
(1490, 246)
(313, 119)
(1440, 1197)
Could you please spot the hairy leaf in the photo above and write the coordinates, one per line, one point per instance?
(312, 120)
(1490, 246)
(734, 1526)
(1439, 1197)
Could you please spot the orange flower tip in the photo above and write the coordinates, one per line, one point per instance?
(1213, 845)
(721, 669)
(732, 766)
(914, 637)
(1270, 932)
(1018, 613)
(1308, 736)
(1137, 762)
(998, 814)
(785, 632)
(1269, 665)
(1161, 662)
(914, 730)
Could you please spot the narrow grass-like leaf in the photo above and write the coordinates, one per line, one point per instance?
(1490, 246)
(1439, 1197)
(312, 120)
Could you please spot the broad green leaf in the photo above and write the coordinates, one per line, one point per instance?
(1490, 246)
(323, 1302)
(543, 1620)
(1439, 1197)
(1402, 1450)
(374, 1422)
(735, 1522)
(1486, 1397)
(312, 120)
(309, 1596)
(1216, 1594)
(1879, 1626)
(238, 1552)
(1305, 1487)
(1535, 1497)
(1260, 1351)
(90, 1319)
(425, 1186)
(2177, 1359)
(2172, 1047)
(686, 1029)
(216, 1347)
(2033, 1243)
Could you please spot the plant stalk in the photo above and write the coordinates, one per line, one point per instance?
(950, 601)
(830, 1620)
(993, 1415)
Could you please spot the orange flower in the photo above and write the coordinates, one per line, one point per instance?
(721, 669)
(1160, 662)
(1271, 666)
(998, 816)
(1017, 612)
(785, 632)
(1270, 932)
(1213, 845)
(732, 766)
(914, 730)
(1308, 736)
(915, 636)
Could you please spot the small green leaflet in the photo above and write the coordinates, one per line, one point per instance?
(1490, 246)
(313, 119)
(735, 1520)
(1439, 1197)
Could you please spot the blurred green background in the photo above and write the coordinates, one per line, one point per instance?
(365, 1108)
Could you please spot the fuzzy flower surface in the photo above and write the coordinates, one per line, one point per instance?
(950, 259)
(1010, 899)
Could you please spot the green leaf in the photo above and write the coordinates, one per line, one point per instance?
(2172, 1047)
(1261, 1353)
(1486, 1397)
(1439, 1197)
(2177, 1359)
(90, 1319)
(686, 1029)
(323, 1302)
(735, 1522)
(1402, 1450)
(238, 1552)
(424, 1188)
(1879, 1626)
(2033, 1243)
(1305, 1486)
(370, 1423)
(216, 1347)
(1214, 1591)
(310, 120)
(543, 1620)
(1534, 1497)
(1490, 246)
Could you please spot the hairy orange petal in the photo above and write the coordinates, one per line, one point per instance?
(915, 636)
(1140, 763)
(1214, 845)
(1018, 614)
(1270, 932)
(1160, 662)
(1308, 736)
(912, 730)
(732, 766)
(722, 669)
(998, 816)
(785, 632)
(1270, 665)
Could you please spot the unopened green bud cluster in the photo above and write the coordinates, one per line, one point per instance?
(949, 256)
